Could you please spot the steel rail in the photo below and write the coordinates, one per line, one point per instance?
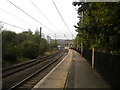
(23, 65)
(32, 75)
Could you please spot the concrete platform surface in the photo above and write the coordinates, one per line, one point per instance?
(56, 78)
(82, 75)
(72, 72)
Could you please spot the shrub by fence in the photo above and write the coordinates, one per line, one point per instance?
(107, 65)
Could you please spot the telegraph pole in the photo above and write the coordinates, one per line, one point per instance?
(72, 36)
(55, 37)
(40, 34)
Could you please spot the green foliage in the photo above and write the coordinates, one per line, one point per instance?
(11, 53)
(100, 25)
(9, 45)
(29, 49)
(43, 46)
(53, 44)
(23, 45)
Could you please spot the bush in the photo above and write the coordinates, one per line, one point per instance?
(10, 53)
(29, 49)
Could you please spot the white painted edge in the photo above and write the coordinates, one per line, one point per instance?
(42, 80)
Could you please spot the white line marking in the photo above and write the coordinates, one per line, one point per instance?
(42, 80)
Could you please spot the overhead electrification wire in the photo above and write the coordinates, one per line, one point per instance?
(65, 36)
(29, 15)
(12, 25)
(61, 16)
(43, 14)
(40, 11)
(16, 17)
(16, 26)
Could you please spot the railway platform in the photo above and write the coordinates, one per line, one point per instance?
(72, 72)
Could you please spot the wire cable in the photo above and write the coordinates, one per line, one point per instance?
(29, 16)
(43, 15)
(18, 26)
(61, 16)
(65, 36)
(12, 25)
(16, 17)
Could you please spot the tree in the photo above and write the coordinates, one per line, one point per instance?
(43, 46)
(53, 44)
(29, 49)
(101, 25)
(9, 42)
(23, 45)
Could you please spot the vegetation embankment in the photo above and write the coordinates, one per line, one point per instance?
(24, 46)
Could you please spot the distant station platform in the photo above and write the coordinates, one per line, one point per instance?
(72, 72)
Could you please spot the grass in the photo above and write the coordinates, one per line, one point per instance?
(50, 52)
(6, 63)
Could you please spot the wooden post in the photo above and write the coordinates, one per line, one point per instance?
(93, 57)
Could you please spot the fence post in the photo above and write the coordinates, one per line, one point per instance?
(81, 52)
(93, 57)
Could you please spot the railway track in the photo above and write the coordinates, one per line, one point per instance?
(19, 67)
(28, 75)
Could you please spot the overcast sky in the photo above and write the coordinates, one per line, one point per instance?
(55, 23)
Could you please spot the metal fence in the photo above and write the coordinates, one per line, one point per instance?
(107, 65)
(88, 55)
